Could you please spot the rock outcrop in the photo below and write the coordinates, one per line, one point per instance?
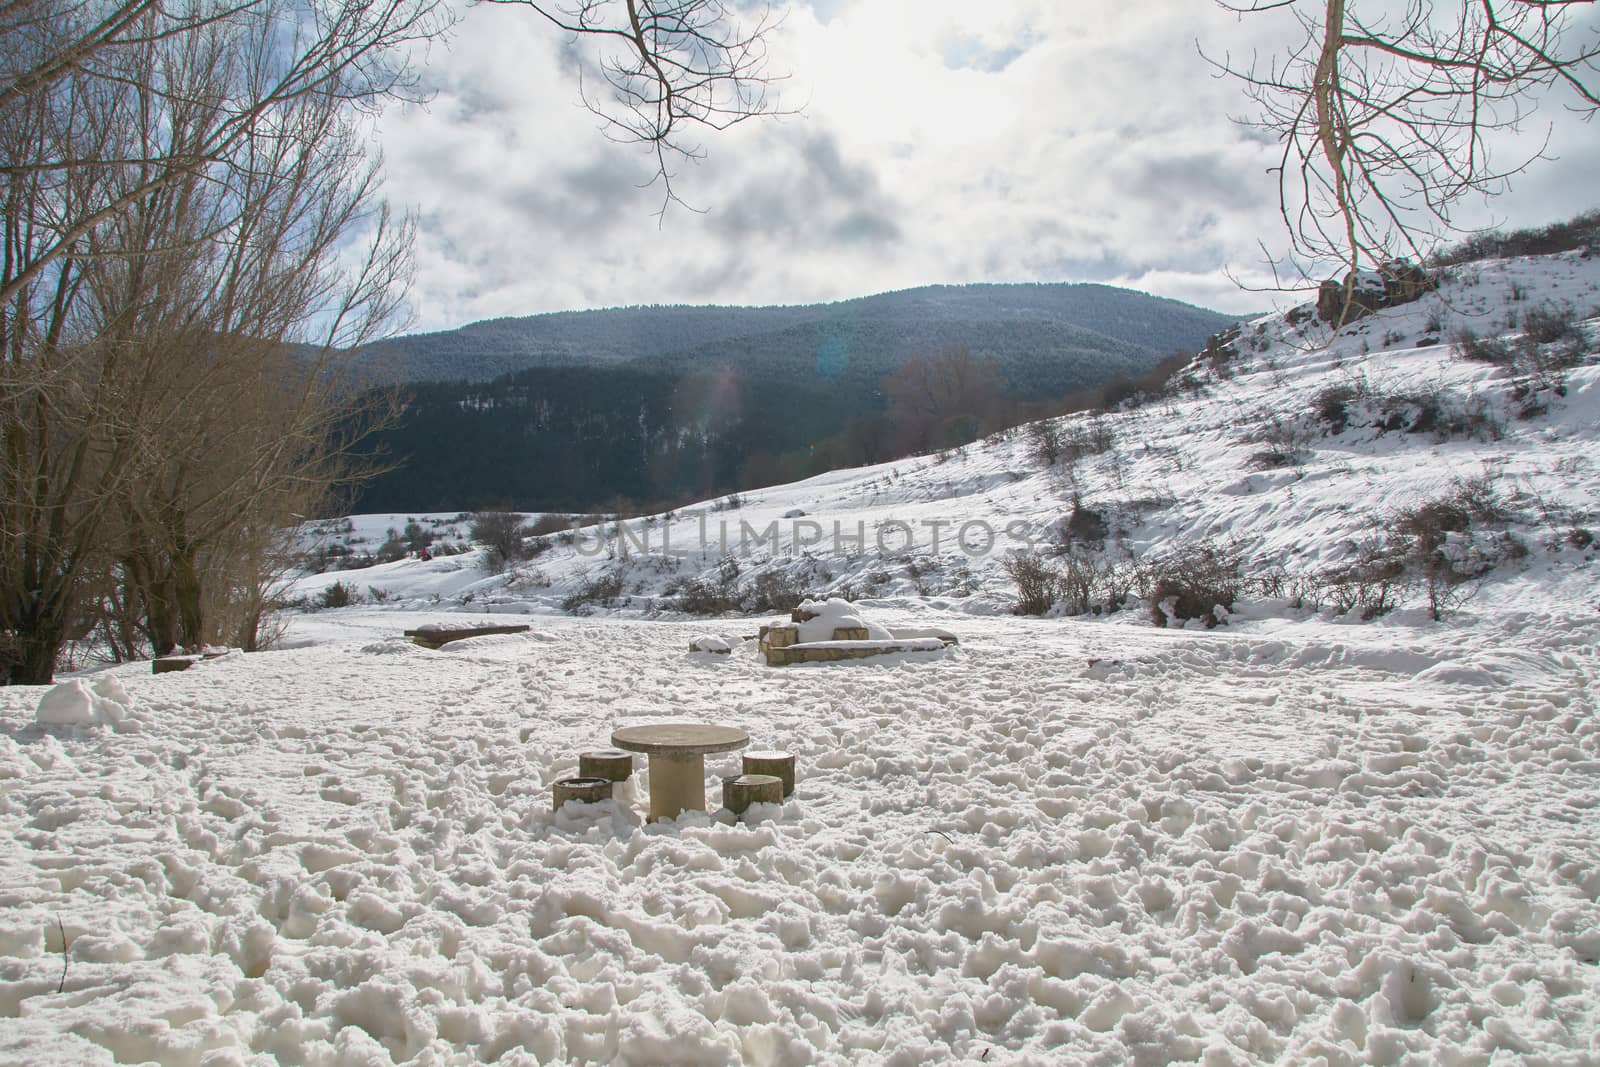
(1361, 293)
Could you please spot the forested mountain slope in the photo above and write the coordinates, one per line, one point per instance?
(1032, 326)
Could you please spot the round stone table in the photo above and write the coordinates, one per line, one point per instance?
(677, 752)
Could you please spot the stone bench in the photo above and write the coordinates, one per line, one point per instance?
(169, 664)
(438, 636)
(828, 651)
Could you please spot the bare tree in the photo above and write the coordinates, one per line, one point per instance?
(504, 534)
(1386, 112)
(172, 320)
(187, 200)
(941, 399)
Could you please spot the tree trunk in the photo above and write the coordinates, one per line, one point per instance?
(160, 612)
(186, 585)
(33, 655)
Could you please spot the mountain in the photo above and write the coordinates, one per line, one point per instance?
(1048, 338)
(584, 410)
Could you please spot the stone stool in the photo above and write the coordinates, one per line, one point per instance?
(583, 790)
(612, 764)
(779, 764)
(747, 789)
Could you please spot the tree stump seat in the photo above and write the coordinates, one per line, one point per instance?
(582, 790)
(746, 789)
(614, 765)
(778, 764)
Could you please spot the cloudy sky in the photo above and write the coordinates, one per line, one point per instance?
(1044, 141)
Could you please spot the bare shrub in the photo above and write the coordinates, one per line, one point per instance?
(1429, 523)
(1192, 583)
(717, 595)
(1332, 405)
(603, 589)
(1432, 538)
(1087, 585)
(1044, 442)
(417, 537)
(1090, 438)
(545, 525)
(1038, 583)
(1413, 411)
(1551, 344)
(1474, 419)
(1547, 324)
(774, 591)
(1373, 584)
(391, 550)
(1492, 350)
(1085, 525)
(1053, 444)
(702, 596)
(1433, 410)
(503, 533)
(1481, 499)
(338, 595)
(1580, 232)
(1288, 444)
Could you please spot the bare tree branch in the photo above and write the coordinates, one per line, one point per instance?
(1386, 119)
(670, 66)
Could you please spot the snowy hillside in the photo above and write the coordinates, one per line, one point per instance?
(1297, 836)
(1293, 454)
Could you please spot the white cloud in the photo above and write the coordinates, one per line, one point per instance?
(1053, 142)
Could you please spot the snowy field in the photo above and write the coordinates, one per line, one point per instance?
(1295, 838)
(1060, 842)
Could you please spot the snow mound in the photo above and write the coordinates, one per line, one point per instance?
(80, 703)
(393, 646)
(710, 643)
(832, 614)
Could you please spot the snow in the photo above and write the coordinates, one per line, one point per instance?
(712, 643)
(1345, 843)
(832, 614)
(68, 704)
(104, 701)
(1293, 838)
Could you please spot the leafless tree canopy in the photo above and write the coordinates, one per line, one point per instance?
(671, 68)
(186, 200)
(1386, 111)
(193, 238)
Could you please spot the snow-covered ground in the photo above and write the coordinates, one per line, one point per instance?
(1295, 838)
